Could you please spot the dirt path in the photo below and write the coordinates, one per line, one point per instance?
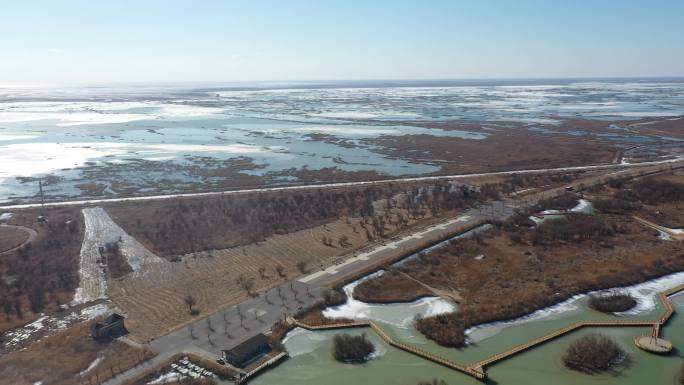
(675, 234)
(449, 295)
(31, 232)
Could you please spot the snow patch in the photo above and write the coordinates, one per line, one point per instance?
(99, 230)
(92, 366)
(400, 315)
(645, 293)
(165, 378)
(47, 325)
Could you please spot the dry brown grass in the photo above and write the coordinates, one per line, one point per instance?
(49, 266)
(515, 279)
(58, 359)
(315, 317)
(676, 176)
(503, 150)
(391, 289)
(154, 301)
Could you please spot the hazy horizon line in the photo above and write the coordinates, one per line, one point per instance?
(376, 82)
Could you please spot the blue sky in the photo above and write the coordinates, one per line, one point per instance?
(172, 41)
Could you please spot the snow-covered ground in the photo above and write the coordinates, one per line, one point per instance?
(166, 378)
(583, 206)
(645, 293)
(92, 366)
(99, 230)
(45, 325)
(398, 314)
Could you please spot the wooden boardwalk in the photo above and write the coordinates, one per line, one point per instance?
(678, 236)
(392, 342)
(477, 369)
(272, 361)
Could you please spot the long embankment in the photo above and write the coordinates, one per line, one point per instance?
(84, 202)
(478, 369)
(400, 253)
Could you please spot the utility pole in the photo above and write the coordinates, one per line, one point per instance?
(42, 199)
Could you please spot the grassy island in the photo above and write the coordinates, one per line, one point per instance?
(352, 349)
(612, 302)
(594, 353)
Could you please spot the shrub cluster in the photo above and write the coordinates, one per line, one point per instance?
(593, 353)
(562, 202)
(351, 349)
(615, 205)
(445, 329)
(117, 264)
(658, 191)
(334, 297)
(572, 228)
(612, 302)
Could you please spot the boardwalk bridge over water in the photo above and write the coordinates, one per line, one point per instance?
(478, 369)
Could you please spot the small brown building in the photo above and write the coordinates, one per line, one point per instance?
(248, 351)
(110, 327)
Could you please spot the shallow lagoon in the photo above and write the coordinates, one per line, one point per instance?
(268, 145)
(62, 131)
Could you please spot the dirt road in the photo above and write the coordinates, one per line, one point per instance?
(342, 184)
(31, 232)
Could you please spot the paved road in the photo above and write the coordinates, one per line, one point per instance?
(336, 185)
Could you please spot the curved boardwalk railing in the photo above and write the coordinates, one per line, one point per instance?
(666, 230)
(391, 341)
(477, 369)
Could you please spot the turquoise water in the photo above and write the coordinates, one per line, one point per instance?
(312, 363)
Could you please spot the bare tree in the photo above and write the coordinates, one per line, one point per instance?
(246, 283)
(301, 266)
(343, 241)
(190, 302)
